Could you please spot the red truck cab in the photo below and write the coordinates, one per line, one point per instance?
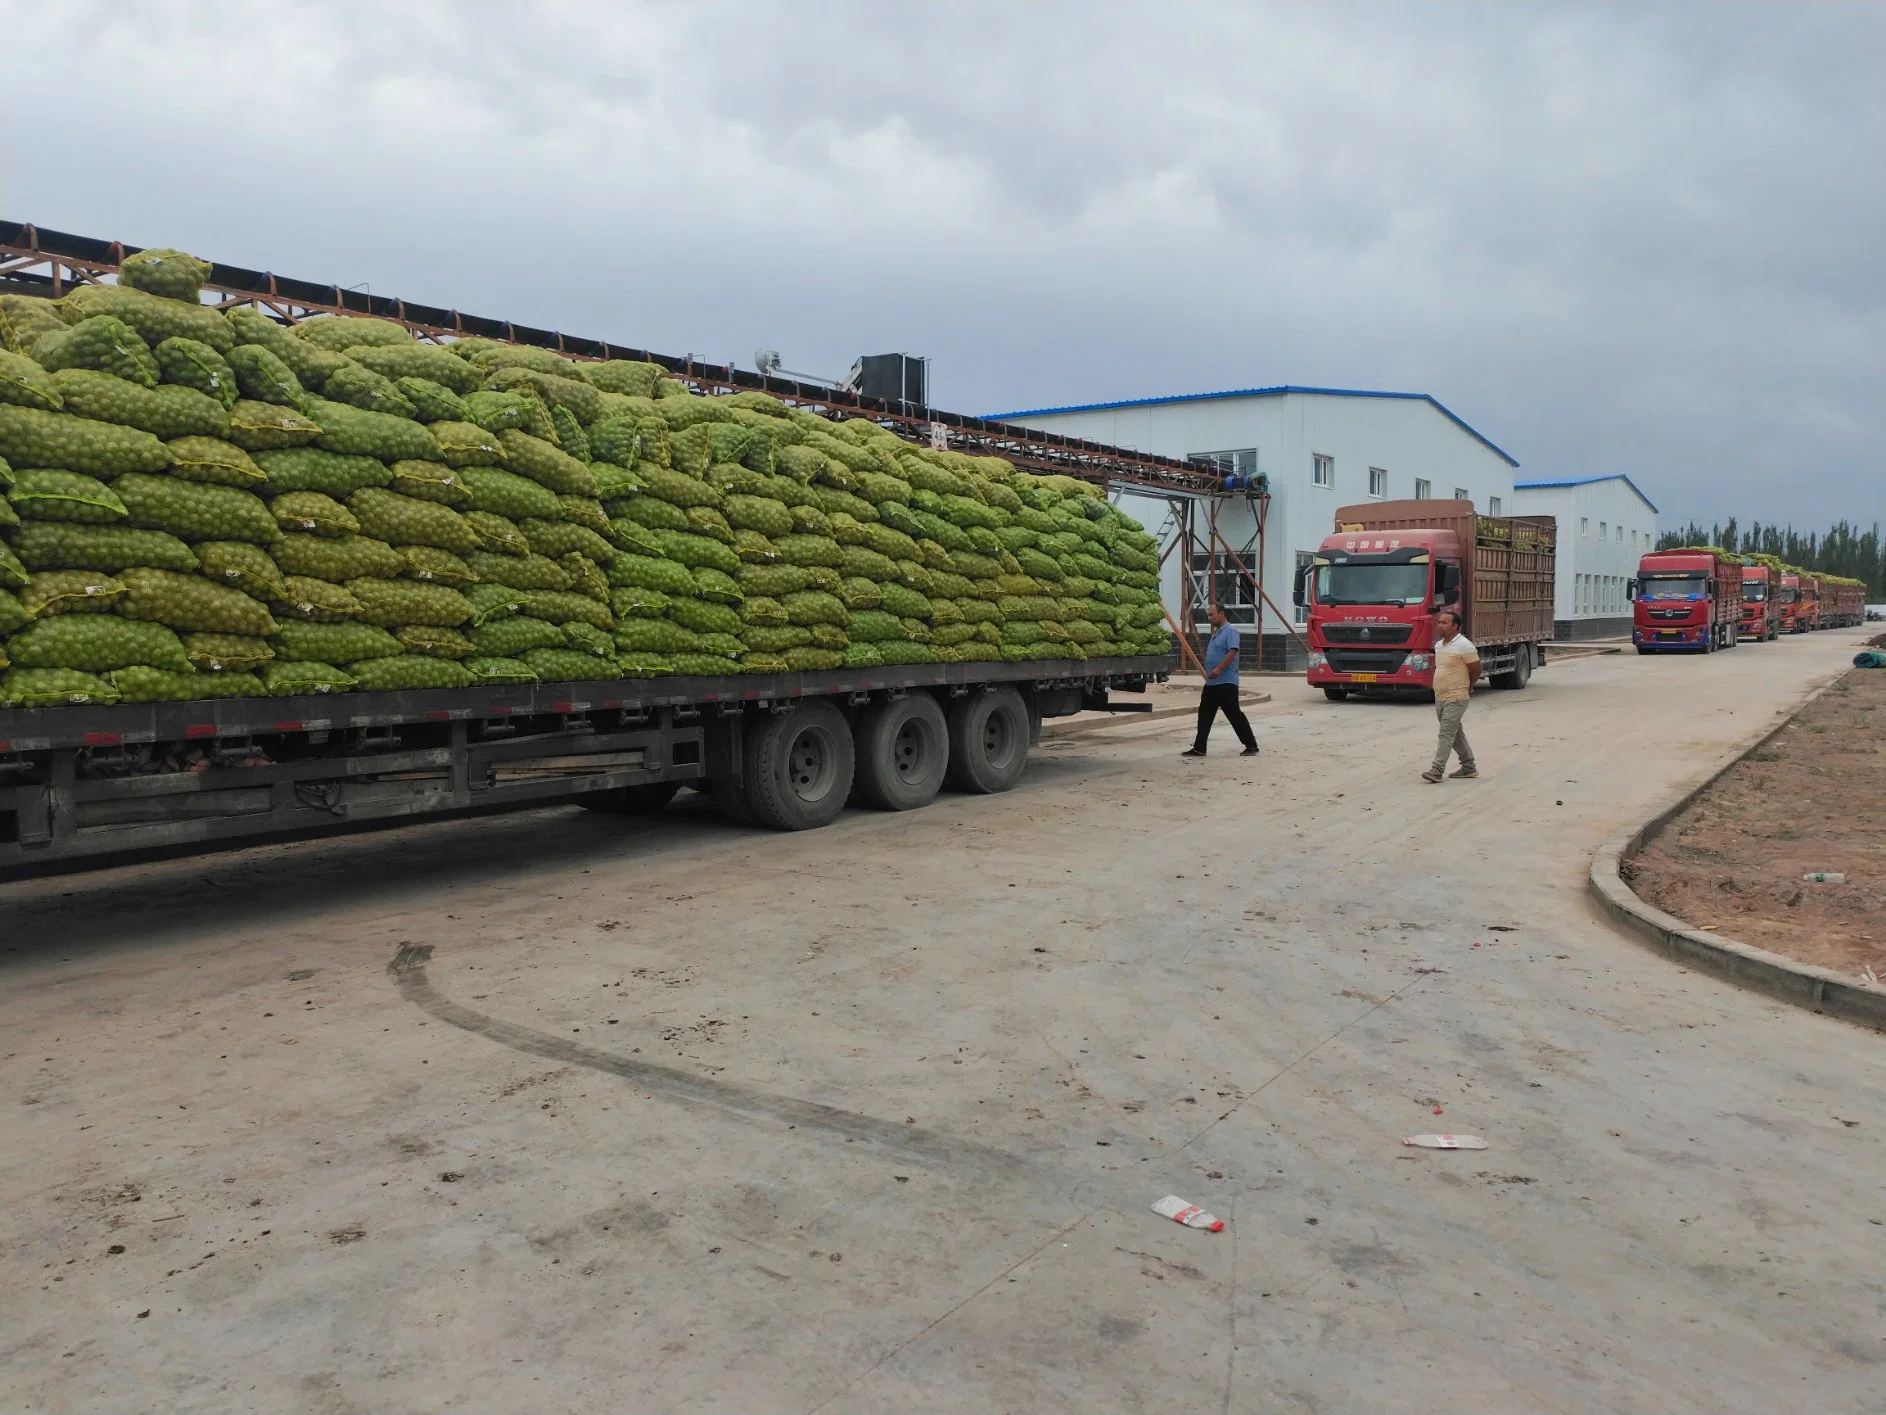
(1373, 595)
(1760, 610)
(1686, 601)
(1789, 597)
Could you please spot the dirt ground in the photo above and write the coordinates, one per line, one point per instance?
(1812, 799)
(565, 1112)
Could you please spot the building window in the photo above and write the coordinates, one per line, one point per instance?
(1424, 489)
(1604, 531)
(1378, 482)
(1322, 470)
(1239, 462)
(1584, 525)
(1217, 579)
(1304, 558)
(1493, 506)
(1460, 494)
(1633, 540)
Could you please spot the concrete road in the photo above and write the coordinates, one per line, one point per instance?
(674, 1117)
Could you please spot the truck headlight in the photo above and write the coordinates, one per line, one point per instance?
(1419, 663)
(1319, 660)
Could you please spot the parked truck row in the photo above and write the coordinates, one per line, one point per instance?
(1698, 599)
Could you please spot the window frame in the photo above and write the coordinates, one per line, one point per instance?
(1424, 489)
(1495, 505)
(1322, 470)
(1461, 494)
(1378, 478)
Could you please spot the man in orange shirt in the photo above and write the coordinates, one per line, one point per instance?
(1456, 670)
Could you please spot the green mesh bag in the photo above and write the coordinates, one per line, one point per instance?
(262, 375)
(905, 603)
(343, 332)
(730, 479)
(717, 585)
(159, 270)
(814, 660)
(325, 643)
(913, 576)
(492, 671)
(1015, 539)
(584, 511)
(464, 443)
(905, 652)
(570, 435)
(430, 564)
(614, 482)
(763, 609)
(866, 563)
(519, 572)
(752, 548)
(678, 488)
(827, 636)
(64, 546)
(362, 388)
(587, 638)
(12, 572)
(569, 666)
(407, 672)
(337, 559)
(725, 645)
(315, 601)
(764, 662)
(24, 384)
(507, 638)
(694, 449)
(139, 684)
(816, 607)
(616, 440)
(496, 411)
(191, 602)
(190, 363)
(210, 459)
(967, 512)
(635, 602)
(23, 319)
(624, 376)
(945, 635)
(432, 481)
(13, 613)
(586, 577)
(496, 533)
(979, 611)
(103, 343)
(860, 593)
(54, 687)
(263, 427)
(94, 643)
(424, 362)
(390, 603)
(434, 641)
(286, 679)
(309, 364)
(490, 603)
(772, 580)
(835, 502)
(167, 411)
(650, 572)
(704, 616)
(31, 438)
(405, 520)
(226, 653)
(155, 319)
(847, 530)
(889, 542)
(364, 433)
(237, 565)
(776, 638)
(692, 550)
(702, 665)
(559, 538)
(551, 389)
(545, 464)
(758, 513)
(706, 521)
(311, 469)
(655, 514)
(863, 656)
(53, 592)
(655, 636)
(563, 607)
(313, 511)
(874, 626)
(48, 494)
(509, 495)
(680, 408)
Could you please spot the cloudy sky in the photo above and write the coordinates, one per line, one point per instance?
(1642, 238)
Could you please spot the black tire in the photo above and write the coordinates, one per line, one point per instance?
(798, 766)
(1522, 667)
(988, 741)
(903, 752)
(648, 800)
(1336, 695)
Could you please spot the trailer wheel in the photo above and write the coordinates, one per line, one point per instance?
(1520, 673)
(645, 800)
(903, 751)
(1336, 695)
(799, 766)
(988, 741)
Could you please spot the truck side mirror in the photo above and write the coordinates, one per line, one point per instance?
(1630, 588)
(1299, 586)
(1450, 584)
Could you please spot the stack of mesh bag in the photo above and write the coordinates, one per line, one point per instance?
(199, 504)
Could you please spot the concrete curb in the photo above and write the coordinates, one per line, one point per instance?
(1817, 989)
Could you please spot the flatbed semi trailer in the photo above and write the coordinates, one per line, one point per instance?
(786, 751)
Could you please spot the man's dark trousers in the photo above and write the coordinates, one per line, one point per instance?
(1216, 697)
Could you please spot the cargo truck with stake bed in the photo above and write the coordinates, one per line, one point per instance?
(1760, 610)
(1686, 601)
(1375, 585)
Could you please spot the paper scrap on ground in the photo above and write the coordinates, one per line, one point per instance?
(1445, 1142)
(1191, 1215)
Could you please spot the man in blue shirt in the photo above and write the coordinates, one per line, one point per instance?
(1221, 687)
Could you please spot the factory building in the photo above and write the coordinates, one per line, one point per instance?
(1605, 524)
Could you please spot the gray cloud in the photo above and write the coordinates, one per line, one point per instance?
(1614, 238)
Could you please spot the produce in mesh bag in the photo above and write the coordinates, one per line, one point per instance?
(326, 643)
(32, 438)
(763, 662)
(582, 400)
(488, 354)
(654, 513)
(616, 440)
(490, 670)
(309, 364)
(432, 481)
(494, 410)
(159, 270)
(491, 603)
(166, 411)
(889, 542)
(311, 469)
(694, 550)
(863, 656)
(411, 359)
(905, 651)
(702, 665)
(624, 376)
(559, 538)
(650, 572)
(625, 534)
(874, 626)
(913, 576)
(561, 607)
(495, 533)
(762, 609)
(337, 559)
(141, 684)
(507, 638)
(428, 562)
(363, 388)
(655, 636)
(694, 449)
(905, 603)
(12, 572)
(93, 643)
(240, 566)
(944, 635)
(190, 363)
(25, 384)
(56, 546)
(570, 436)
(509, 495)
(190, 602)
(587, 638)
(317, 601)
(294, 679)
(772, 580)
(465, 444)
(23, 319)
(49, 494)
(827, 636)
(54, 687)
(834, 502)
(262, 427)
(585, 511)
(758, 513)
(262, 375)
(103, 343)
(860, 593)
(545, 464)
(13, 614)
(753, 548)
(406, 520)
(520, 572)
(634, 602)
(613, 481)
(847, 530)
(226, 653)
(66, 592)
(770, 638)
(705, 617)
(568, 666)
(809, 550)
(342, 332)
(313, 511)
(717, 585)
(433, 641)
(727, 645)
(154, 318)
(585, 576)
(816, 607)
(390, 603)
(812, 660)
(731, 479)
(345, 428)
(210, 459)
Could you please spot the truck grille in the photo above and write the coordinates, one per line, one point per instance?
(1367, 633)
(1668, 613)
(1366, 660)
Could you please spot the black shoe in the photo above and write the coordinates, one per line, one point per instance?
(1191, 752)
(1248, 752)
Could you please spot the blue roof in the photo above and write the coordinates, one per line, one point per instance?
(1587, 481)
(1275, 392)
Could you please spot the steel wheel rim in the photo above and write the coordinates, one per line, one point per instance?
(811, 765)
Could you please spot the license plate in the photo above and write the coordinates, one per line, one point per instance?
(1364, 677)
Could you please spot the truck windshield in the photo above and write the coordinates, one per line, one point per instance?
(1790, 593)
(1673, 587)
(1363, 583)
(1754, 593)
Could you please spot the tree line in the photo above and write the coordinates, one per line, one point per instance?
(1844, 550)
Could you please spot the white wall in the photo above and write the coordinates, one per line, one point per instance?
(1594, 562)
(1409, 438)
